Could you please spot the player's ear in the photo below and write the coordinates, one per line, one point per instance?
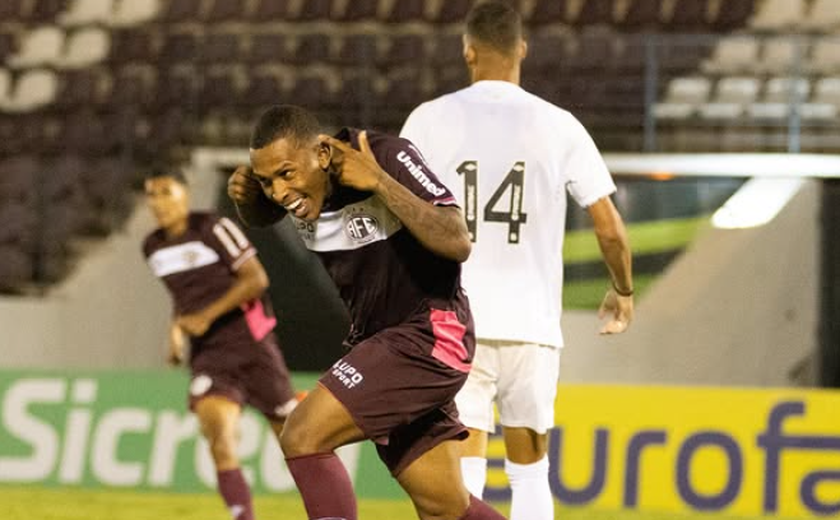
(523, 49)
(468, 51)
(325, 155)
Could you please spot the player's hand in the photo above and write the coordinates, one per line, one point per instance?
(243, 187)
(194, 324)
(177, 344)
(357, 168)
(619, 310)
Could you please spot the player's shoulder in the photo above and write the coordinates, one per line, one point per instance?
(153, 241)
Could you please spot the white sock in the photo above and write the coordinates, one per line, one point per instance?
(474, 473)
(531, 498)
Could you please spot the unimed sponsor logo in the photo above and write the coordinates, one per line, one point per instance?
(419, 174)
(58, 430)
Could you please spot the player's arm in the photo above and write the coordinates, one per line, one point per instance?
(441, 229)
(252, 206)
(251, 282)
(615, 248)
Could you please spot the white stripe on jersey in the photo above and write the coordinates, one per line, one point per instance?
(237, 234)
(180, 258)
(224, 237)
(352, 227)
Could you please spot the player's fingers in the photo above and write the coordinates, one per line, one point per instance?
(333, 142)
(364, 145)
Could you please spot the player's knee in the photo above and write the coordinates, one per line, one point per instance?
(442, 507)
(296, 440)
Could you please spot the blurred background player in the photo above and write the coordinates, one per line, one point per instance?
(515, 156)
(392, 239)
(218, 288)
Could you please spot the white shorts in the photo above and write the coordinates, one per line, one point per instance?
(520, 378)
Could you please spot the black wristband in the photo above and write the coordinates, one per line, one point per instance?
(624, 294)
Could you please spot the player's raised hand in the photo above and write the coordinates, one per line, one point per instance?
(243, 188)
(356, 168)
(619, 310)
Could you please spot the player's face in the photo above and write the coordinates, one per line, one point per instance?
(168, 200)
(294, 175)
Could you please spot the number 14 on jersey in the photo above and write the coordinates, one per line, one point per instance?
(513, 184)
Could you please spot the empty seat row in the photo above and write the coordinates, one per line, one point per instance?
(775, 55)
(808, 15)
(734, 97)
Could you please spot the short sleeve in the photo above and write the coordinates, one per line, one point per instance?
(229, 242)
(415, 126)
(588, 177)
(405, 163)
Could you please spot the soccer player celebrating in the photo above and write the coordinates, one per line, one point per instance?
(515, 156)
(218, 288)
(392, 239)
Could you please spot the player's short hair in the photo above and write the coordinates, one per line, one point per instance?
(495, 23)
(174, 172)
(282, 121)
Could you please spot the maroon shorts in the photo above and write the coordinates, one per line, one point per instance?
(260, 379)
(399, 385)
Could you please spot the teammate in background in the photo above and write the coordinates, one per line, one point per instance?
(515, 156)
(218, 287)
(392, 239)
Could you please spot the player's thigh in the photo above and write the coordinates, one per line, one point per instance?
(217, 415)
(266, 381)
(476, 397)
(319, 424)
(434, 483)
(528, 386)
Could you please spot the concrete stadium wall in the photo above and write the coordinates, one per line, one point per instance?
(740, 307)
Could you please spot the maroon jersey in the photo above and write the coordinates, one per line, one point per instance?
(198, 267)
(383, 274)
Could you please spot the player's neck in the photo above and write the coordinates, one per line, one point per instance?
(509, 74)
(176, 229)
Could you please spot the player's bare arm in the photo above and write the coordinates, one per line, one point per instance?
(251, 282)
(177, 344)
(615, 248)
(441, 229)
(252, 206)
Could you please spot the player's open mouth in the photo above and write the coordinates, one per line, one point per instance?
(297, 208)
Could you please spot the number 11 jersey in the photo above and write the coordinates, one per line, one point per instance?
(510, 157)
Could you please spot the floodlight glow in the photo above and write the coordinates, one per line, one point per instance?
(756, 203)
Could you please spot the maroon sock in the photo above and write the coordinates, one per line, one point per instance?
(479, 510)
(236, 493)
(324, 485)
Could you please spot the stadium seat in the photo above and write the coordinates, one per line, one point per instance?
(265, 87)
(824, 15)
(825, 102)
(642, 15)
(780, 55)
(85, 47)
(405, 49)
(732, 15)
(15, 268)
(40, 11)
(448, 50)
(134, 13)
(776, 15)
(221, 87)
(595, 12)
(732, 95)
(546, 51)
(630, 54)
(733, 55)
(177, 87)
(548, 12)
(87, 12)
(272, 10)
(5, 86)
(82, 87)
(779, 96)
(134, 86)
(12, 9)
(38, 47)
(311, 48)
(269, 47)
(221, 47)
(180, 47)
(358, 49)
(315, 11)
(180, 11)
(406, 11)
(132, 45)
(312, 89)
(358, 11)
(453, 11)
(222, 11)
(682, 97)
(688, 16)
(590, 51)
(825, 57)
(18, 182)
(31, 90)
(18, 227)
(8, 44)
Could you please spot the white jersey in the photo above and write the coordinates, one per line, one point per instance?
(509, 157)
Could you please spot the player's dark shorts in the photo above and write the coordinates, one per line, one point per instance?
(399, 385)
(260, 380)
